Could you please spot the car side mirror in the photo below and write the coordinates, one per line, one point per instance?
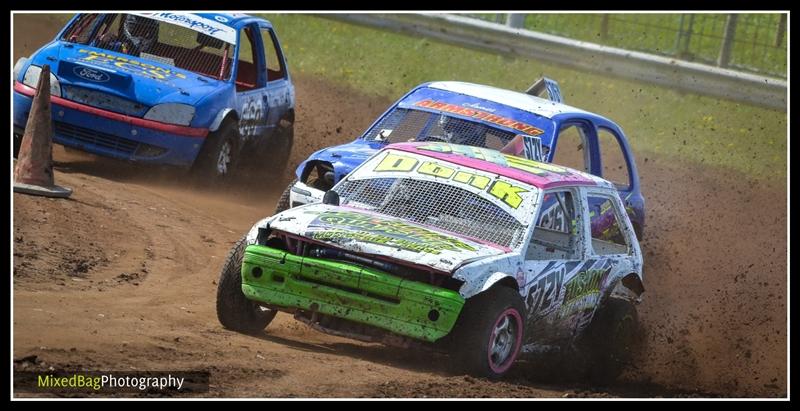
(331, 198)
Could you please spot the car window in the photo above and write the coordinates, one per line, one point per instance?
(416, 125)
(555, 236)
(247, 74)
(615, 169)
(81, 30)
(151, 39)
(607, 230)
(572, 148)
(275, 69)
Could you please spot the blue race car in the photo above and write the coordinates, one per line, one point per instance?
(189, 90)
(517, 124)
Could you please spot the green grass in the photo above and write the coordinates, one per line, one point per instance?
(656, 120)
(754, 45)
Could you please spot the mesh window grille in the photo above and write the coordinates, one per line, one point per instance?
(434, 204)
(164, 43)
(414, 125)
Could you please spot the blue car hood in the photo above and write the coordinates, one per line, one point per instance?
(347, 156)
(146, 81)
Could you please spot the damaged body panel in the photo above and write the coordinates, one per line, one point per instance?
(425, 237)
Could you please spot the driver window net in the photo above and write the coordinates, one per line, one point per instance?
(164, 43)
(415, 125)
(434, 204)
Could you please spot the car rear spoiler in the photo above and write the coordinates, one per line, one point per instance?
(545, 84)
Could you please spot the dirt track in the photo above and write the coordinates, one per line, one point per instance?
(123, 276)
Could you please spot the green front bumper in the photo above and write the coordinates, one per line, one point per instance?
(349, 291)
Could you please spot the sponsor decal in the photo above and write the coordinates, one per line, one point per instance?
(339, 226)
(221, 19)
(252, 116)
(196, 23)
(129, 65)
(492, 156)
(91, 74)
(500, 189)
(481, 115)
(582, 292)
(543, 295)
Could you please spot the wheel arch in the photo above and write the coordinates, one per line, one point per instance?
(226, 114)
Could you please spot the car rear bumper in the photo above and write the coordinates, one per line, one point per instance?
(112, 134)
(339, 289)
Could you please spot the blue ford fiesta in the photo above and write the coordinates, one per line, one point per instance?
(189, 90)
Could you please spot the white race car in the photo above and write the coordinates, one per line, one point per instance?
(452, 247)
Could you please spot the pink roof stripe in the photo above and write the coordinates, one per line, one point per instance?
(548, 180)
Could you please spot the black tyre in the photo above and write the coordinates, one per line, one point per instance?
(610, 339)
(217, 158)
(234, 310)
(283, 201)
(488, 333)
(280, 148)
(17, 144)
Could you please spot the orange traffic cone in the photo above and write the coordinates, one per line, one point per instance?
(33, 173)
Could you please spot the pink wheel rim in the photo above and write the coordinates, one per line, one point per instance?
(505, 341)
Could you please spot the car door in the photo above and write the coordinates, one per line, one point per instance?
(609, 246)
(278, 88)
(251, 80)
(617, 165)
(555, 250)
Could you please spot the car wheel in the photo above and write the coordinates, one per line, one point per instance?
(280, 148)
(17, 144)
(610, 339)
(284, 201)
(488, 333)
(217, 158)
(234, 311)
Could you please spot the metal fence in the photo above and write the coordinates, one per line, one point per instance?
(755, 43)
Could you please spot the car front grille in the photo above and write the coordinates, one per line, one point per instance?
(81, 136)
(104, 101)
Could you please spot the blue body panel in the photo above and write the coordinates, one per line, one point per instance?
(135, 84)
(344, 158)
(113, 139)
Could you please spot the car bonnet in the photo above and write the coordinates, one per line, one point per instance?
(365, 232)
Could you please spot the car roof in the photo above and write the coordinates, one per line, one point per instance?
(540, 175)
(526, 102)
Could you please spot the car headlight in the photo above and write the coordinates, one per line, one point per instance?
(18, 66)
(31, 79)
(171, 113)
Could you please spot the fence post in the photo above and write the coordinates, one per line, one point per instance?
(727, 41)
(684, 37)
(516, 21)
(781, 31)
(604, 27)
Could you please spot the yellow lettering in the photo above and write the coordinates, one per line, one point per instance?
(395, 162)
(434, 169)
(507, 193)
(472, 179)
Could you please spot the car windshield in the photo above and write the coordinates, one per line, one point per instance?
(402, 125)
(202, 49)
(434, 204)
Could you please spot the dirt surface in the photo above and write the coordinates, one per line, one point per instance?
(122, 276)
